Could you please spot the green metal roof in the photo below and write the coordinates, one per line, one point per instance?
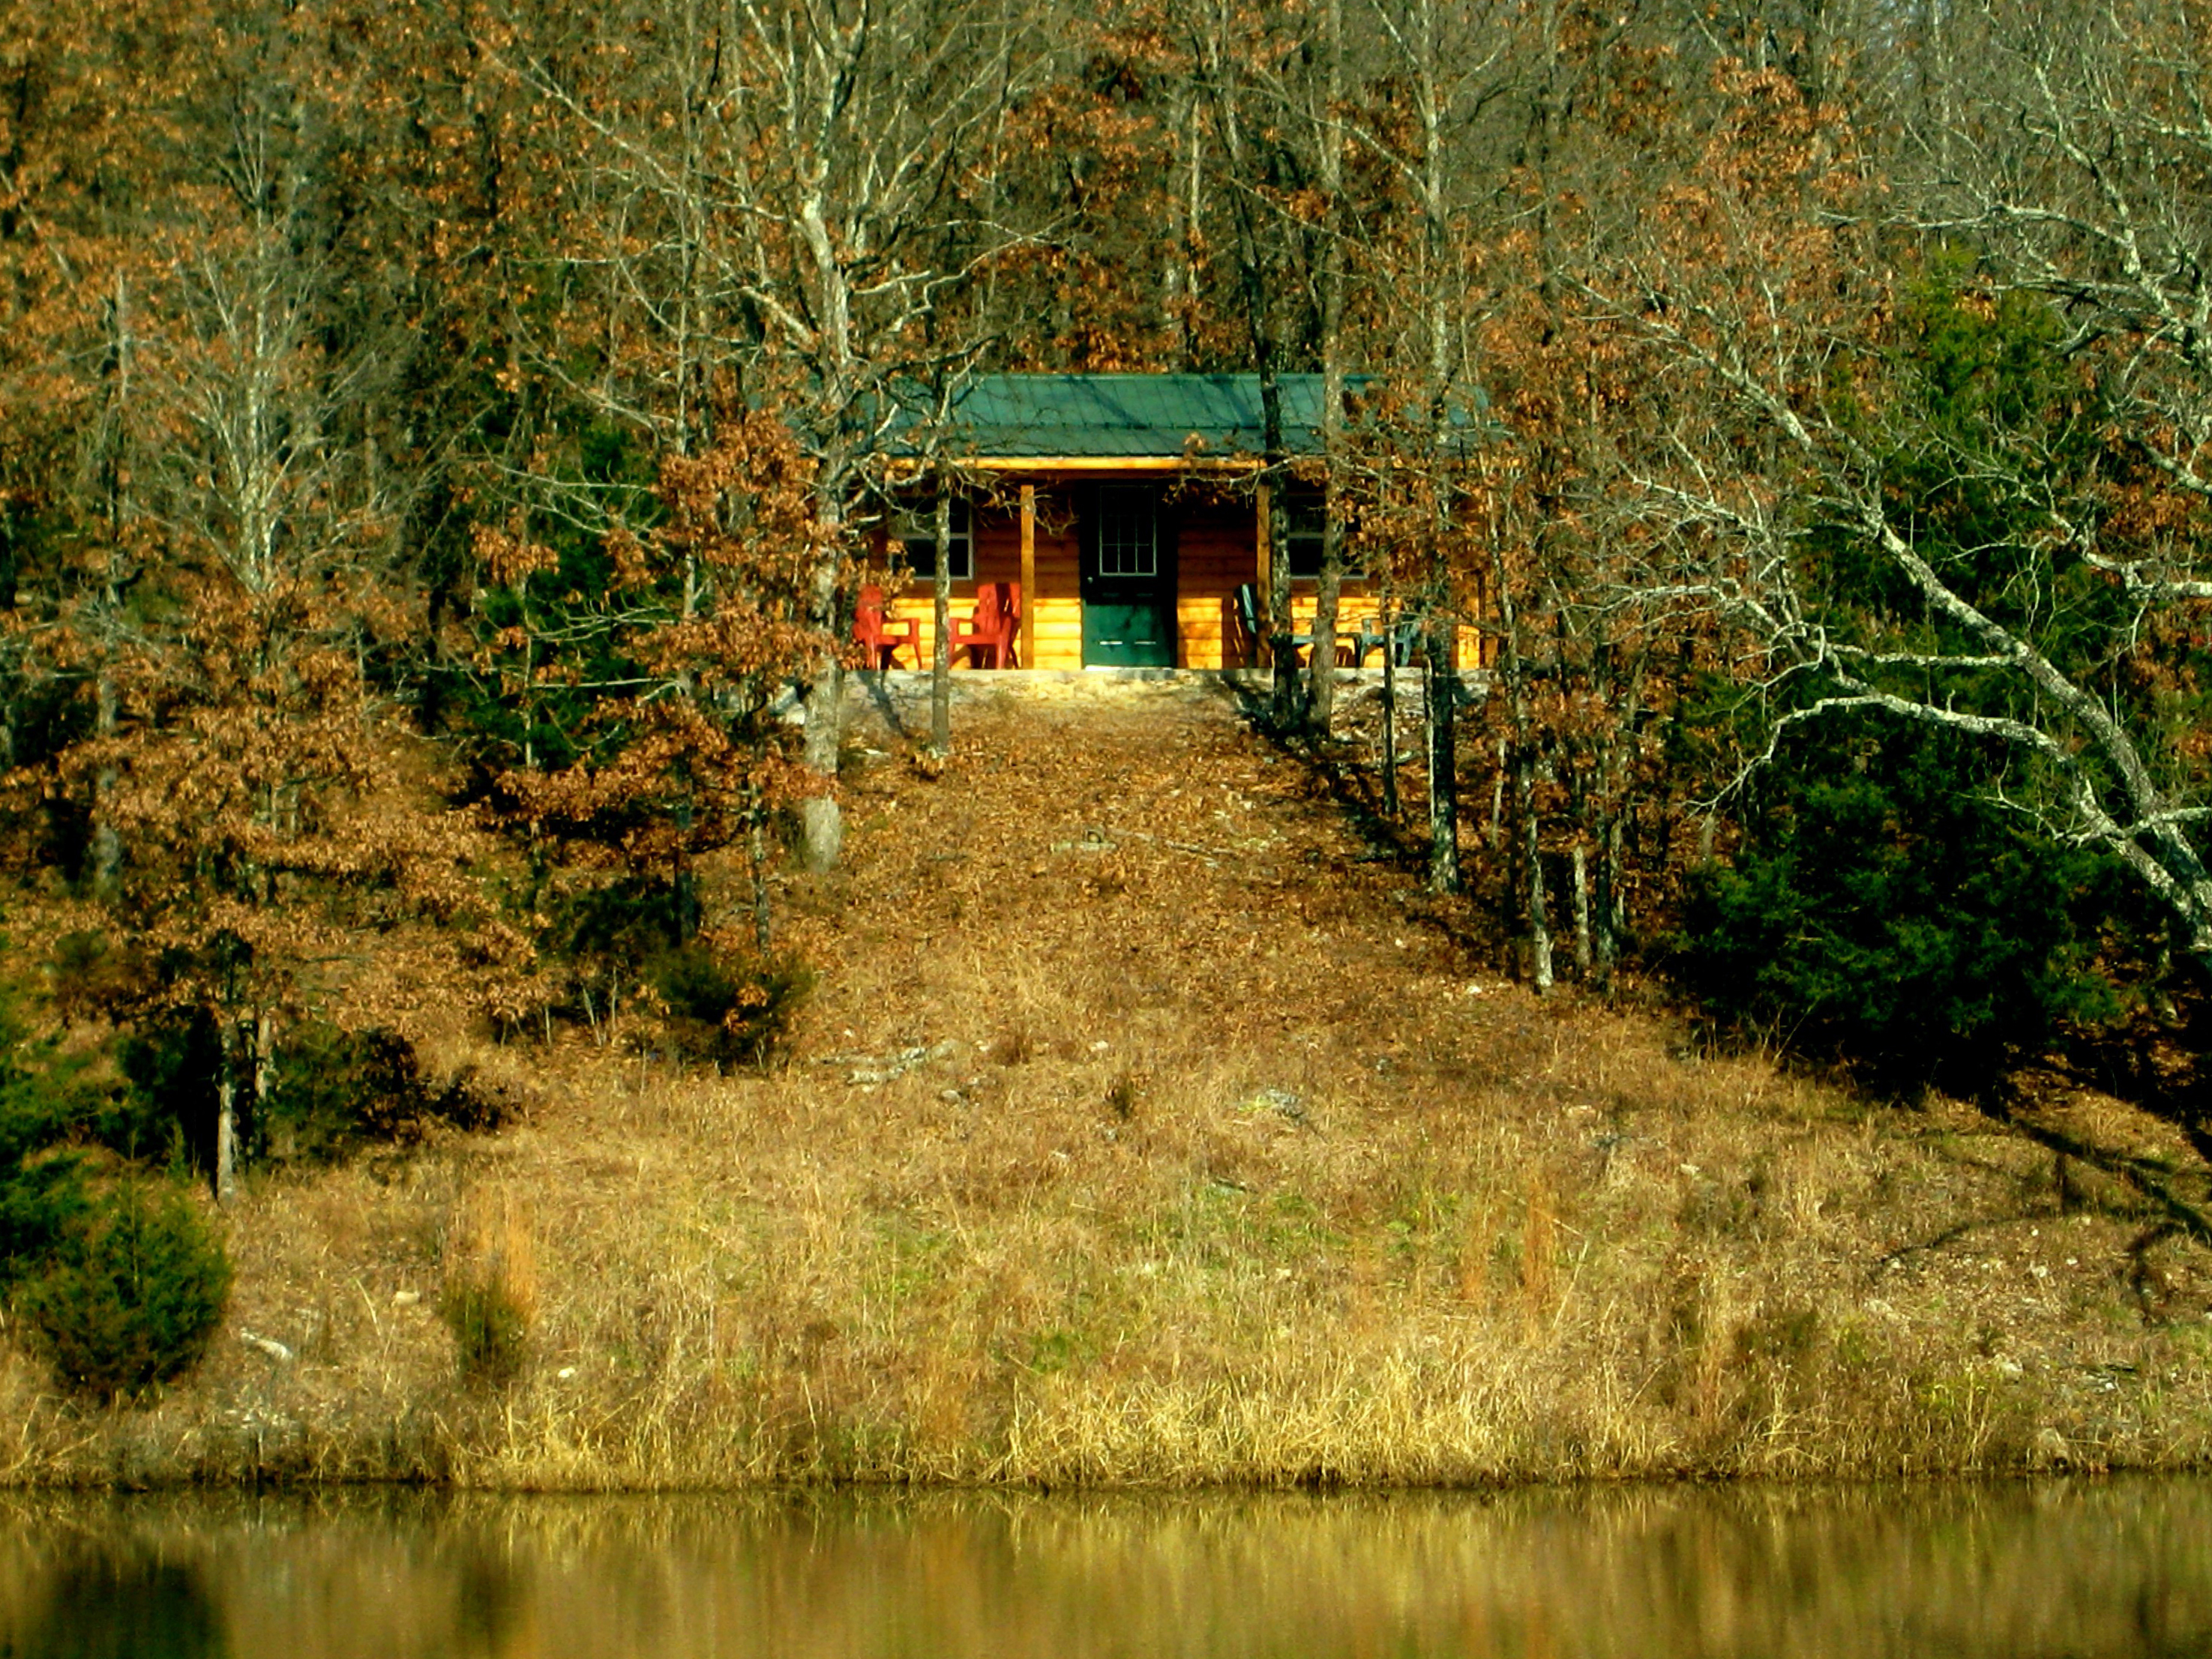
(1104, 416)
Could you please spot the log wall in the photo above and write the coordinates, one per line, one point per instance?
(1217, 545)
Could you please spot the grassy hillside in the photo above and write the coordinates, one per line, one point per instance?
(1146, 1128)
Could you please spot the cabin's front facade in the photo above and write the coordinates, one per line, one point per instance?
(1126, 508)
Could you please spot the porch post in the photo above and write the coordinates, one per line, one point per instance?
(1264, 575)
(1028, 576)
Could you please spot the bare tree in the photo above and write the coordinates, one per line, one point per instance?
(1800, 420)
(767, 203)
(1325, 114)
(268, 521)
(1452, 60)
(1232, 53)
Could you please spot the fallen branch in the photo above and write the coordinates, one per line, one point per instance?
(870, 1069)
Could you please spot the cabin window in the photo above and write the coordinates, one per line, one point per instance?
(1303, 510)
(1128, 531)
(915, 527)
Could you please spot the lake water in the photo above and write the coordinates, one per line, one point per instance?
(2122, 1567)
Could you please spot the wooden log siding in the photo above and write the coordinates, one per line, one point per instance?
(1217, 548)
(1026, 528)
(1052, 626)
(1218, 545)
(1059, 599)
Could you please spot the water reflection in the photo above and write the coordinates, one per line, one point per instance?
(95, 1603)
(2118, 1568)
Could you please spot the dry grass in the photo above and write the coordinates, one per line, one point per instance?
(1221, 1165)
(489, 1300)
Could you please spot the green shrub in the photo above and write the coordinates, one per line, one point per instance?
(335, 1091)
(40, 1198)
(41, 1181)
(731, 1011)
(121, 1288)
(88, 977)
(172, 1060)
(1883, 913)
(624, 921)
(729, 1007)
(133, 1297)
(491, 1330)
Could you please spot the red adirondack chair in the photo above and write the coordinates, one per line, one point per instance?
(995, 629)
(884, 639)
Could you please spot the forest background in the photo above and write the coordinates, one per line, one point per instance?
(441, 441)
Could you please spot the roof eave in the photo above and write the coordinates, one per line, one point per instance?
(1206, 465)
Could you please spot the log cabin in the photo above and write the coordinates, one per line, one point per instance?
(1125, 506)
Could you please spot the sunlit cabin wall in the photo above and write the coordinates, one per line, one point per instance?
(1217, 547)
(1059, 599)
(1215, 544)
(1058, 603)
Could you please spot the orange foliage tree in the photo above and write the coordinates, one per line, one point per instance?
(703, 629)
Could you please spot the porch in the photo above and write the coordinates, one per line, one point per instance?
(1122, 575)
(1126, 508)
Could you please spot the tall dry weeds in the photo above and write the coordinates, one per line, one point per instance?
(489, 1298)
(1370, 1215)
(1539, 1244)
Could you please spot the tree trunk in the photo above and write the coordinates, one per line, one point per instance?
(1180, 277)
(1581, 865)
(1441, 681)
(529, 674)
(226, 1115)
(756, 849)
(821, 821)
(1609, 898)
(1532, 853)
(1391, 806)
(1286, 679)
(1442, 678)
(683, 882)
(1321, 691)
(1514, 682)
(265, 1066)
(106, 839)
(940, 664)
(1498, 799)
(1287, 684)
(1328, 590)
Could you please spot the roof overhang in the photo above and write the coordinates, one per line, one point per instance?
(907, 469)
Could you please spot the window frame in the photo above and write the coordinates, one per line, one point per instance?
(1109, 515)
(913, 528)
(1305, 516)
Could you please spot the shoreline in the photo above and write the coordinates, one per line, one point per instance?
(896, 1493)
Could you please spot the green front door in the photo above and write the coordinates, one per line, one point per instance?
(1128, 579)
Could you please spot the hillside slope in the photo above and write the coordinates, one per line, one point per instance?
(1143, 1130)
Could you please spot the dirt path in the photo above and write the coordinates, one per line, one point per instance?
(1141, 863)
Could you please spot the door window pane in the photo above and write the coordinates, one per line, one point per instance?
(1128, 533)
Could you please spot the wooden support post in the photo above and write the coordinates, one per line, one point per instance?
(1264, 571)
(1262, 498)
(1028, 576)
